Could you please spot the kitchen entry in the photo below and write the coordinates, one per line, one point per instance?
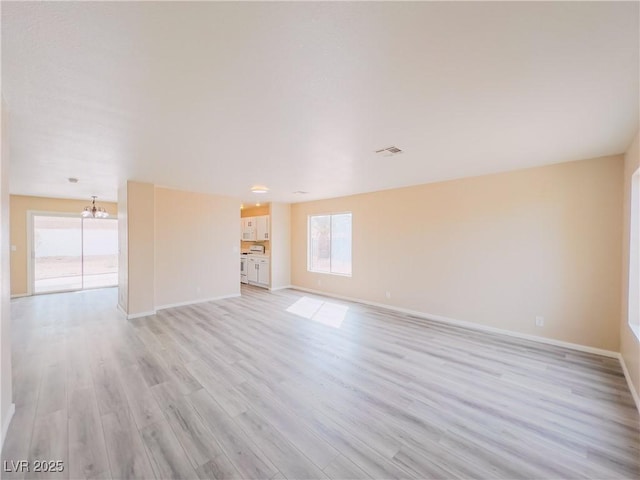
(72, 253)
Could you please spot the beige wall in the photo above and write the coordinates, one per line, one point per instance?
(496, 250)
(123, 249)
(140, 248)
(280, 224)
(196, 245)
(20, 205)
(6, 387)
(255, 211)
(629, 343)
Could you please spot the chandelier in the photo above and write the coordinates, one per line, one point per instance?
(93, 211)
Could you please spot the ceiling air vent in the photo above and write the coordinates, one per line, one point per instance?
(389, 151)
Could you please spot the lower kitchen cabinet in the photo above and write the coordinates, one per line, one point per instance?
(258, 271)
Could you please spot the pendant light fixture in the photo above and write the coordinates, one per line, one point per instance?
(93, 211)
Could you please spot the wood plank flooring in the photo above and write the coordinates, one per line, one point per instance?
(266, 386)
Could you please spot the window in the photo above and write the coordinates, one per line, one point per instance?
(634, 256)
(329, 245)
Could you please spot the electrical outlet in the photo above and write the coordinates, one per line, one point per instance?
(539, 321)
(319, 282)
(388, 294)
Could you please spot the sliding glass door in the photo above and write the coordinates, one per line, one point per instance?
(57, 248)
(73, 253)
(99, 252)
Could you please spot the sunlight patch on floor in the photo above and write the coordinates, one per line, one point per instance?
(327, 313)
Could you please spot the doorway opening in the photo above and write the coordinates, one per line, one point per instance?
(72, 253)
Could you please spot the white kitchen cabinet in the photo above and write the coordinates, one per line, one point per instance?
(255, 229)
(258, 271)
(252, 270)
(249, 231)
(262, 228)
(263, 272)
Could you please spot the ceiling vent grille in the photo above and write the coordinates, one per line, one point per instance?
(389, 151)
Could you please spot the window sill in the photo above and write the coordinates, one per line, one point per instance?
(331, 273)
(636, 331)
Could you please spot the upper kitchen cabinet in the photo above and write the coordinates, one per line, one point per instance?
(249, 231)
(255, 229)
(262, 228)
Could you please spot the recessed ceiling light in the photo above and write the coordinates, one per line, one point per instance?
(300, 192)
(72, 180)
(259, 189)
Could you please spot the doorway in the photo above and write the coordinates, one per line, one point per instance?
(72, 253)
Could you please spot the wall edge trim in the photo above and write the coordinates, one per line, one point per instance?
(121, 310)
(627, 377)
(470, 325)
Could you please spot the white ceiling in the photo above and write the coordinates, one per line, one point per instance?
(217, 97)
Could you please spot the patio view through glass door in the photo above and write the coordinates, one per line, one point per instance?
(72, 253)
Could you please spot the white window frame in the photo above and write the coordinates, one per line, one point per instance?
(309, 269)
(31, 248)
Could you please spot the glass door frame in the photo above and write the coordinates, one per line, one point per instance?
(31, 251)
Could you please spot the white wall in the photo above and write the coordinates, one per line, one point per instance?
(6, 393)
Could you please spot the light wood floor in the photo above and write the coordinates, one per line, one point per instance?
(241, 388)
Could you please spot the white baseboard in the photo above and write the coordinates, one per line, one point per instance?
(141, 314)
(121, 310)
(193, 302)
(627, 376)
(179, 304)
(19, 295)
(133, 315)
(6, 423)
(275, 289)
(469, 325)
